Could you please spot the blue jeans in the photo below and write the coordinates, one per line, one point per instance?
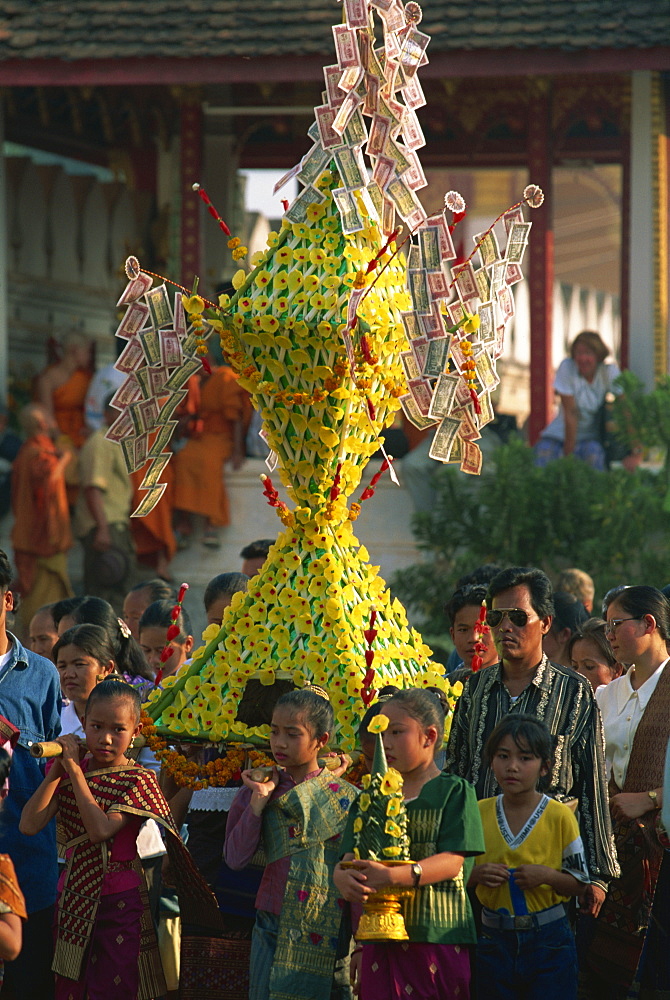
(550, 449)
(539, 964)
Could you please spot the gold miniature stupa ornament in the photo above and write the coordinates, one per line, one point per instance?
(356, 308)
(380, 834)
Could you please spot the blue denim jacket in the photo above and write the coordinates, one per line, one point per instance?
(30, 698)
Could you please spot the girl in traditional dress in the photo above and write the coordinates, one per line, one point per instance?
(445, 832)
(101, 801)
(297, 817)
(635, 710)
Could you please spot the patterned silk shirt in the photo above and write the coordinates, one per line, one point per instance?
(564, 702)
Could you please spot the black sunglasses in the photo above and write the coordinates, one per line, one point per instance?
(517, 616)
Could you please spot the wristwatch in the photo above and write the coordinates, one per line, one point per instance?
(653, 795)
(417, 872)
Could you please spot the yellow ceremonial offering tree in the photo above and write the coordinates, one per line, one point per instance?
(326, 387)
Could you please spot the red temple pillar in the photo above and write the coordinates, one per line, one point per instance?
(541, 269)
(190, 173)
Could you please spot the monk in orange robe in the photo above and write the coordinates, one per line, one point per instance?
(61, 389)
(41, 533)
(198, 468)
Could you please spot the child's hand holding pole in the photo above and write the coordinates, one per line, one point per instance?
(261, 790)
(73, 751)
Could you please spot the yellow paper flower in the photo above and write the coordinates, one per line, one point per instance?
(365, 781)
(392, 852)
(364, 802)
(193, 303)
(358, 824)
(392, 828)
(391, 782)
(315, 212)
(393, 807)
(378, 724)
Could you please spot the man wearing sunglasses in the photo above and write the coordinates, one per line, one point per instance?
(520, 611)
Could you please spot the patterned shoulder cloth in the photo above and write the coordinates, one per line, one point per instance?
(134, 790)
(306, 825)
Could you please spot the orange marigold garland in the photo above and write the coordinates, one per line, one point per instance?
(189, 774)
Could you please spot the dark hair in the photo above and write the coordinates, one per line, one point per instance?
(317, 710)
(424, 706)
(594, 630)
(612, 595)
(6, 574)
(223, 585)
(254, 550)
(61, 609)
(569, 612)
(480, 575)
(537, 582)
(642, 600)
(159, 590)
(528, 732)
(46, 609)
(113, 688)
(128, 656)
(91, 639)
(383, 695)
(159, 615)
(593, 342)
(470, 595)
(5, 766)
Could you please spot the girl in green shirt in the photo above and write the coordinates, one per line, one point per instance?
(445, 832)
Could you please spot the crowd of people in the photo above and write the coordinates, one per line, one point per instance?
(538, 847)
(537, 825)
(69, 482)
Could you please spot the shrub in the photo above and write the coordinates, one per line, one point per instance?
(611, 524)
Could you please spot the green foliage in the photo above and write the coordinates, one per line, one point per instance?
(644, 417)
(611, 524)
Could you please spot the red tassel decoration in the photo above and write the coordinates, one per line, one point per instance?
(335, 488)
(370, 634)
(475, 401)
(481, 628)
(369, 491)
(200, 191)
(172, 632)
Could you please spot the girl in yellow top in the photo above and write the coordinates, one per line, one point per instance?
(534, 861)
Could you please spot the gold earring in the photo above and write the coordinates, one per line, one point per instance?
(99, 678)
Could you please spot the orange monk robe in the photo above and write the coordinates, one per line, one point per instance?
(198, 467)
(41, 534)
(153, 534)
(68, 406)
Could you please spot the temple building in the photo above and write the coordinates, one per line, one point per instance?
(110, 112)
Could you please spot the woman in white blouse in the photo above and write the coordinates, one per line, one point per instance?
(636, 720)
(582, 382)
